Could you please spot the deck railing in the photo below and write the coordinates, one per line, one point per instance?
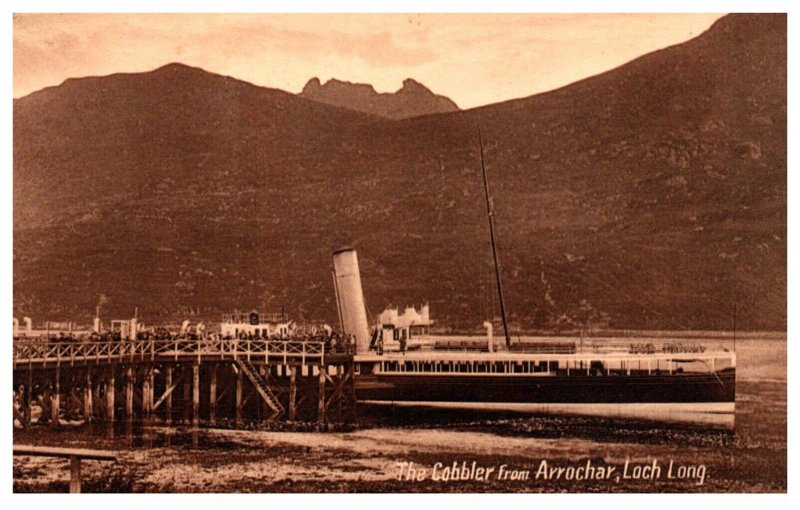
(44, 352)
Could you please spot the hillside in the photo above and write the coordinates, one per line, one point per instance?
(412, 100)
(655, 192)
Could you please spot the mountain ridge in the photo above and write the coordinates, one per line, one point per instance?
(413, 99)
(654, 193)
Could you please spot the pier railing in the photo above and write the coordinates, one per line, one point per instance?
(43, 352)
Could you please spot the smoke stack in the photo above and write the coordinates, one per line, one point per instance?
(351, 297)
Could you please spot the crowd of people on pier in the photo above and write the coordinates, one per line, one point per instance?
(333, 342)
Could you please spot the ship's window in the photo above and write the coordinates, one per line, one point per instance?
(553, 366)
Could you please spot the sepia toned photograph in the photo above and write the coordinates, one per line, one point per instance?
(399, 253)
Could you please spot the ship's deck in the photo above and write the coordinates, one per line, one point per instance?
(477, 356)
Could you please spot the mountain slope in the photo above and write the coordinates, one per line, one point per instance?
(412, 100)
(655, 193)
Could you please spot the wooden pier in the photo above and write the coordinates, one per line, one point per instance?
(183, 381)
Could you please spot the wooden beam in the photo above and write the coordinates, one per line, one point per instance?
(239, 391)
(55, 402)
(51, 451)
(321, 402)
(212, 394)
(98, 396)
(129, 393)
(151, 389)
(292, 392)
(227, 389)
(248, 396)
(187, 395)
(88, 413)
(168, 395)
(351, 370)
(44, 401)
(110, 397)
(74, 475)
(337, 389)
(28, 397)
(73, 399)
(195, 394)
(340, 398)
(145, 391)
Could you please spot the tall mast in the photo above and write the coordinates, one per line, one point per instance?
(490, 214)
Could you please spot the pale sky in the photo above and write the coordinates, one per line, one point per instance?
(474, 59)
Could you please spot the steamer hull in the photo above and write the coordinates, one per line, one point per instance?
(698, 388)
(572, 389)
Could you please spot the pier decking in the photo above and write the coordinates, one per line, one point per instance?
(184, 380)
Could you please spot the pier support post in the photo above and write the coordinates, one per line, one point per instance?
(212, 394)
(321, 403)
(129, 393)
(151, 390)
(195, 395)
(168, 403)
(353, 401)
(55, 401)
(28, 398)
(339, 376)
(110, 387)
(147, 384)
(88, 414)
(74, 475)
(292, 393)
(187, 395)
(239, 395)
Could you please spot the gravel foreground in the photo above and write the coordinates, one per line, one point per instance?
(369, 459)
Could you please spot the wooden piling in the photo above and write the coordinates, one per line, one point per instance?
(195, 394)
(74, 475)
(88, 414)
(147, 382)
(28, 398)
(287, 377)
(339, 375)
(55, 401)
(292, 393)
(321, 403)
(151, 390)
(351, 368)
(212, 394)
(129, 393)
(110, 387)
(168, 403)
(187, 395)
(239, 395)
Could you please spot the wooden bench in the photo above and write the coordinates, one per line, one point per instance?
(75, 455)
